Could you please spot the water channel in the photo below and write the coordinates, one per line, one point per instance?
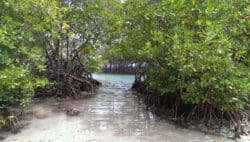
(114, 114)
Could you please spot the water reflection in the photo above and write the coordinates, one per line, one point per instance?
(115, 114)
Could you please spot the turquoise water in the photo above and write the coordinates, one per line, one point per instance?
(115, 77)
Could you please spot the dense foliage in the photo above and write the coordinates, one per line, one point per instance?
(50, 44)
(19, 56)
(197, 49)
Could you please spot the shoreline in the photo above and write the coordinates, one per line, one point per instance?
(218, 128)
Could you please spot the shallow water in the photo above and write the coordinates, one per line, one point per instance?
(115, 78)
(115, 114)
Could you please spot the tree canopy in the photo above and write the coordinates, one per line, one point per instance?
(197, 50)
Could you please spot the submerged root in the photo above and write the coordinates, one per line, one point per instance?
(14, 123)
(204, 113)
(11, 122)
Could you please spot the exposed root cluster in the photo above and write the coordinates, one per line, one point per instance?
(69, 85)
(12, 121)
(173, 106)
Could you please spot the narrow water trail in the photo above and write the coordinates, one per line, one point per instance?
(115, 114)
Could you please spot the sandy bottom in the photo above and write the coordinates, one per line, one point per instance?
(113, 115)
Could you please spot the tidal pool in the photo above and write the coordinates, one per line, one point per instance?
(114, 114)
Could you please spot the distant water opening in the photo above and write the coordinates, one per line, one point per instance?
(126, 78)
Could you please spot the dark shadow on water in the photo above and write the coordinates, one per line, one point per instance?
(2, 138)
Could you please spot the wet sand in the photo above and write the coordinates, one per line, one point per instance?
(114, 114)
